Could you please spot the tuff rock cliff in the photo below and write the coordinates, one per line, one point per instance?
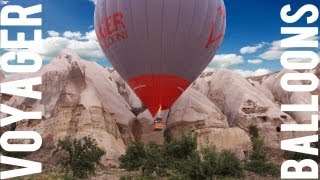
(81, 98)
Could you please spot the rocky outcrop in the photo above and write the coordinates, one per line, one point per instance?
(246, 104)
(142, 129)
(125, 91)
(78, 100)
(81, 98)
(233, 139)
(194, 112)
(272, 83)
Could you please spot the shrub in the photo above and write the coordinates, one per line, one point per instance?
(82, 155)
(134, 158)
(262, 167)
(182, 147)
(254, 131)
(257, 150)
(258, 162)
(191, 167)
(229, 165)
(210, 161)
(179, 159)
(155, 160)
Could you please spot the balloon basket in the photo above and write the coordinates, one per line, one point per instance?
(158, 124)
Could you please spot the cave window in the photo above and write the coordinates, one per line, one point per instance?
(264, 118)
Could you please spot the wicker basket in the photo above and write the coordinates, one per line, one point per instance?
(158, 125)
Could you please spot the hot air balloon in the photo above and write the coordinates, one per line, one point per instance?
(159, 47)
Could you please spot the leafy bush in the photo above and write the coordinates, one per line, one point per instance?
(254, 131)
(182, 147)
(258, 162)
(134, 157)
(179, 159)
(154, 160)
(210, 163)
(82, 155)
(262, 167)
(191, 167)
(229, 165)
(258, 152)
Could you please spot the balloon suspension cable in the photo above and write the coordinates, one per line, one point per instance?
(159, 111)
(160, 107)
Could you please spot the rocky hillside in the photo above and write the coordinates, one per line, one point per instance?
(81, 98)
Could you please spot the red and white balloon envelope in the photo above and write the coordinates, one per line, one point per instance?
(159, 47)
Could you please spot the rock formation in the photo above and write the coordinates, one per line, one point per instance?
(78, 100)
(272, 83)
(81, 98)
(246, 104)
(194, 112)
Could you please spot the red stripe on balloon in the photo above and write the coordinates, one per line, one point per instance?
(157, 90)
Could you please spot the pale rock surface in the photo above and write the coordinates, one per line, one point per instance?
(142, 129)
(233, 139)
(81, 98)
(78, 99)
(125, 91)
(272, 83)
(262, 89)
(246, 105)
(195, 113)
(96, 78)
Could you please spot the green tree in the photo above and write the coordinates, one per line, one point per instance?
(134, 158)
(80, 155)
(179, 159)
(181, 147)
(155, 160)
(258, 162)
(210, 161)
(254, 131)
(229, 165)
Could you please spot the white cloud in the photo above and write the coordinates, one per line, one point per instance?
(247, 73)
(251, 49)
(255, 61)
(271, 55)
(53, 33)
(275, 50)
(91, 35)
(4, 2)
(72, 35)
(86, 45)
(224, 61)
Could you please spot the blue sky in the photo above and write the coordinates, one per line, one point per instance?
(250, 45)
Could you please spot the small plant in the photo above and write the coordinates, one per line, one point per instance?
(81, 156)
(210, 164)
(258, 162)
(180, 159)
(254, 131)
(134, 158)
(229, 165)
